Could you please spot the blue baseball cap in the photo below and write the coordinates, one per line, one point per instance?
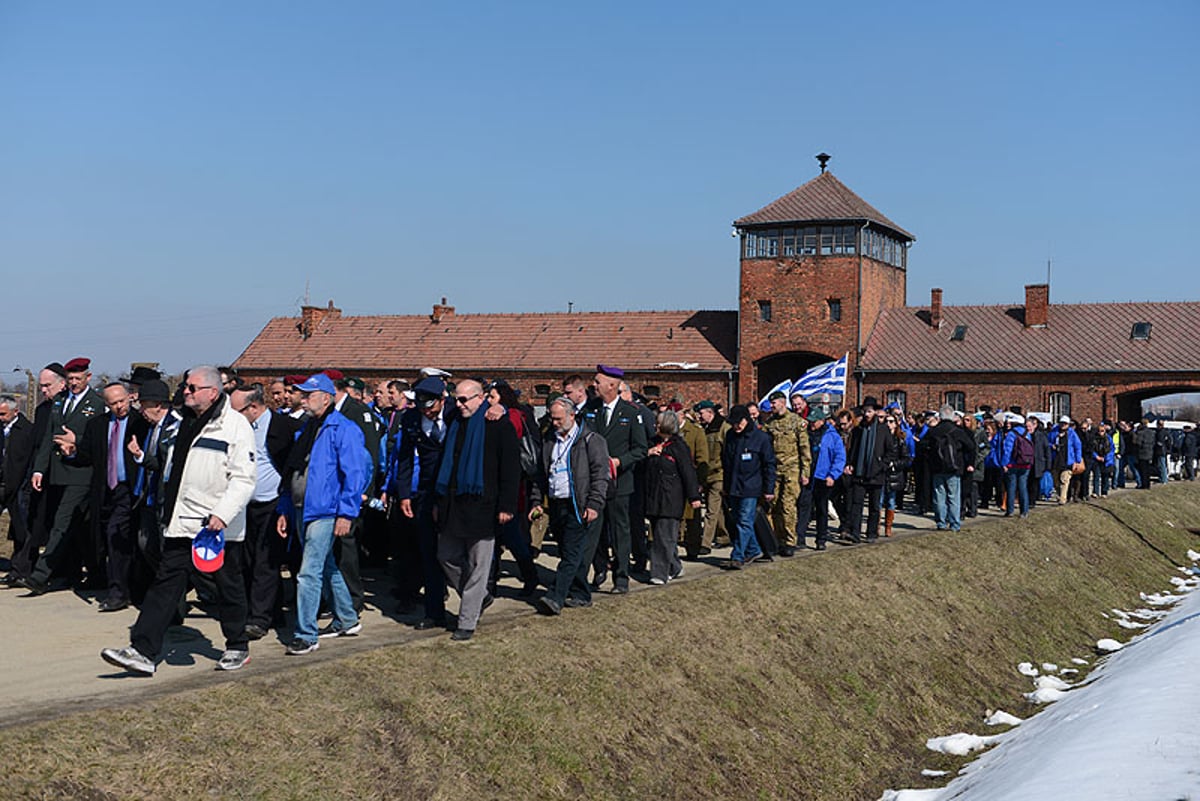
(208, 550)
(319, 382)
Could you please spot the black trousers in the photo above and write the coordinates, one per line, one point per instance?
(820, 498)
(171, 581)
(432, 575)
(615, 541)
(345, 553)
(16, 501)
(68, 505)
(37, 528)
(1145, 468)
(576, 548)
(116, 524)
(263, 554)
(873, 495)
(804, 507)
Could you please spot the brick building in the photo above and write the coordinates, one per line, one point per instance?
(822, 273)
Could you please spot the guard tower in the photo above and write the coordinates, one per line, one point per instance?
(817, 267)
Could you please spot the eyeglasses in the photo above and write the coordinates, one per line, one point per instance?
(192, 388)
(891, 420)
(465, 398)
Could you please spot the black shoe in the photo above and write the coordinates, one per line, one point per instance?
(462, 635)
(577, 603)
(734, 564)
(620, 589)
(488, 600)
(599, 579)
(749, 560)
(426, 623)
(787, 552)
(528, 589)
(548, 606)
(113, 604)
(872, 540)
(34, 586)
(820, 546)
(705, 550)
(253, 631)
(12, 579)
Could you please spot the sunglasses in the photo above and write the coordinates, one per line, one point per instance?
(891, 420)
(465, 398)
(194, 389)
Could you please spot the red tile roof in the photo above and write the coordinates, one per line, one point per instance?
(560, 342)
(823, 199)
(1086, 337)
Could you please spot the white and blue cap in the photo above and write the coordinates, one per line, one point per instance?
(318, 383)
(208, 550)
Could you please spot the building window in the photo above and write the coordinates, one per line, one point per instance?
(764, 311)
(957, 400)
(826, 240)
(651, 390)
(960, 333)
(1140, 331)
(1060, 405)
(898, 397)
(541, 389)
(835, 310)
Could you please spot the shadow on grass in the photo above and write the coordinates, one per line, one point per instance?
(1137, 534)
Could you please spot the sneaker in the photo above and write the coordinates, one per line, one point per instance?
(233, 660)
(462, 635)
(254, 632)
(577, 603)
(676, 574)
(657, 582)
(129, 658)
(298, 647)
(335, 629)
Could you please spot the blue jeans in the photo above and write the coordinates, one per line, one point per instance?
(317, 568)
(745, 544)
(1017, 484)
(1162, 470)
(890, 497)
(947, 500)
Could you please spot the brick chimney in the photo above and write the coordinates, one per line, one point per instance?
(441, 312)
(313, 316)
(1037, 305)
(935, 308)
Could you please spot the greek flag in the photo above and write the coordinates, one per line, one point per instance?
(829, 377)
(783, 386)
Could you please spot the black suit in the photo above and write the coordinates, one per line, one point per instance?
(111, 508)
(866, 458)
(625, 434)
(17, 447)
(38, 519)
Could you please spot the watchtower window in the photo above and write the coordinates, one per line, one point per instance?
(1140, 331)
(835, 310)
(764, 311)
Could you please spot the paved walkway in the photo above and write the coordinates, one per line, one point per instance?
(50, 664)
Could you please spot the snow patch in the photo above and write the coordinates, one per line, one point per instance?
(1077, 661)
(1044, 695)
(1002, 718)
(1051, 682)
(935, 773)
(1120, 613)
(1027, 669)
(1129, 624)
(1108, 646)
(1149, 614)
(1193, 556)
(911, 795)
(1160, 599)
(960, 744)
(1049, 667)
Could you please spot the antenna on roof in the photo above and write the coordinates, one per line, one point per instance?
(823, 158)
(570, 306)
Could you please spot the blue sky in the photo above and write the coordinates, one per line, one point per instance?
(172, 175)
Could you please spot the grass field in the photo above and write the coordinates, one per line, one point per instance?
(815, 678)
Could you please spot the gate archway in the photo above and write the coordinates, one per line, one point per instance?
(771, 370)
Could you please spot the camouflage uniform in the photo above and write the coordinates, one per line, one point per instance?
(692, 527)
(789, 436)
(714, 520)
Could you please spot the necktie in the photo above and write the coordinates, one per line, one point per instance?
(114, 452)
(437, 430)
(70, 405)
(607, 416)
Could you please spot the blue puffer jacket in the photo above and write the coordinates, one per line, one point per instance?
(338, 473)
(830, 459)
(1074, 445)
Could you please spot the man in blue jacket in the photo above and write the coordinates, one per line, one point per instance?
(829, 463)
(748, 462)
(1068, 450)
(326, 482)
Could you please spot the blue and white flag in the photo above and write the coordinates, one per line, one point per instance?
(829, 377)
(783, 386)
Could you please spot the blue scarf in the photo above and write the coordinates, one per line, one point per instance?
(468, 473)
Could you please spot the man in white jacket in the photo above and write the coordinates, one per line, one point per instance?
(211, 480)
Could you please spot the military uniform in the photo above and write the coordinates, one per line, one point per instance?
(692, 527)
(714, 521)
(789, 436)
(67, 486)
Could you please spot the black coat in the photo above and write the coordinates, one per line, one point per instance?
(48, 459)
(414, 449)
(625, 435)
(92, 451)
(670, 480)
(960, 436)
(1043, 454)
(18, 455)
(874, 466)
(475, 516)
(896, 460)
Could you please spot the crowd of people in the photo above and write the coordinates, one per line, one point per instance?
(269, 500)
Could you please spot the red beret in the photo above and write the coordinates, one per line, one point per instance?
(334, 375)
(78, 365)
(294, 380)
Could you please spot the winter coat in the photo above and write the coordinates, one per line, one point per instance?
(670, 480)
(748, 463)
(587, 472)
(337, 472)
(874, 467)
(896, 461)
(829, 454)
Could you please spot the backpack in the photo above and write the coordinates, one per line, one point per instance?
(1022, 453)
(949, 455)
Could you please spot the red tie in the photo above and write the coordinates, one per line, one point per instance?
(114, 452)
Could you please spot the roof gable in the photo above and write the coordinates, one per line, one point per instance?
(822, 199)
